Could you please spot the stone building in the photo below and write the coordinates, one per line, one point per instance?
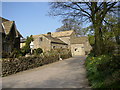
(10, 35)
(65, 36)
(64, 39)
(47, 42)
(80, 46)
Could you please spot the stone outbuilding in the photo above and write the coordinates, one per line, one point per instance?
(80, 46)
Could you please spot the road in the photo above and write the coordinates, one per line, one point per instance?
(68, 73)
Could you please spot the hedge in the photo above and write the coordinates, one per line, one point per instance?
(14, 65)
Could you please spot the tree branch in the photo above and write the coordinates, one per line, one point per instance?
(81, 9)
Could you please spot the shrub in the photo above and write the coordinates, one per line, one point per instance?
(103, 71)
(15, 53)
(38, 51)
(5, 54)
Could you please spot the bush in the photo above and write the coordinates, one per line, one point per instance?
(5, 54)
(103, 71)
(38, 51)
(15, 53)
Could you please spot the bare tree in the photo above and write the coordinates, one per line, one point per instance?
(94, 12)
(71, 24)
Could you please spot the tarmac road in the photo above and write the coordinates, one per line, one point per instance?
(68, 73)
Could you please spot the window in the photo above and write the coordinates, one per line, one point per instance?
(75, 49)
(53, 47)
(41, 38)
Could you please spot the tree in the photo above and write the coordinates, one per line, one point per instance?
(94, 12)
(111, 34)
(113, 25)
(26, 49)
(71, 24)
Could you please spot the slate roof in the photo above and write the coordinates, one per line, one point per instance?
(7, 25)
(79, 40)
(55, 40)
(3, 20)
(59, 34)
(62, 33)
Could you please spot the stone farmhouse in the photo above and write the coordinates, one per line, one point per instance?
(47, 42)
(10, 35)
(64, 39)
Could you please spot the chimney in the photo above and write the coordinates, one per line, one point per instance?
(49, 34)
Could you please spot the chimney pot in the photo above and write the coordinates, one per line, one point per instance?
(49, 34)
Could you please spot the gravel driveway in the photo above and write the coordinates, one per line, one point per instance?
(68, 73)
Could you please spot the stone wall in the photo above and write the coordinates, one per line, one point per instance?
(59, 46)
(77, 49)
(41, 42)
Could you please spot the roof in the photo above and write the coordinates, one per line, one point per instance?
(3, 20)
(62, 34)
(55, 40)
(79, 40)
(59, 34)
(18, 34)
(6, 27)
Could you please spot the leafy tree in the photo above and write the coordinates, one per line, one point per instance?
(26, 49)
(91, 40)
(94, 12)
(111, 34)
(113, 25)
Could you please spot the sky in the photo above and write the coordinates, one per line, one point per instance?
(31, 18)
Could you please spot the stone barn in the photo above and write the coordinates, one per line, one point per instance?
(80, 46)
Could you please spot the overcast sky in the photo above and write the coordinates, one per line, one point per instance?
(30, 17)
